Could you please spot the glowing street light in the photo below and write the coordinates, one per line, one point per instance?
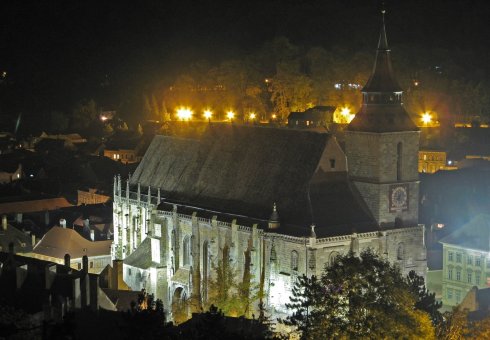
(184, 113)
(252, 116)
(274, 116)
(230, 115)
(426, 118)
(208, 114)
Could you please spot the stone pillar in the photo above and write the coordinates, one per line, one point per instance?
(234, 241)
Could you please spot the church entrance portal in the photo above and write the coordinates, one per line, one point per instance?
(179, 306)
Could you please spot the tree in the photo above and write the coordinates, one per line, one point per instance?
(233, 298)
(357, 297)
(425, 301)
(84, 114)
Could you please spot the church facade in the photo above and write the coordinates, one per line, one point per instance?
(275, 203)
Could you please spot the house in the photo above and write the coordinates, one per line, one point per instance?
(59, 241)
(318, 116)
(466, 260)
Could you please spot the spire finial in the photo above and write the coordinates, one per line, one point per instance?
(383, 41)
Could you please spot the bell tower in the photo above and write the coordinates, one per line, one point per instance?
(382, 145)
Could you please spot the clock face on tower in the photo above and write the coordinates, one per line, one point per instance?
(398, 197)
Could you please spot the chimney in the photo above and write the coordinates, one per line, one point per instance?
(67, 261)
(62, 223)
(86, 223)
(84, 283)
(85, 263)
(33, 240)
(18, 218)
(4, 222)
(92, 235)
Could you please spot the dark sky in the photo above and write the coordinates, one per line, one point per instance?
(58, 51)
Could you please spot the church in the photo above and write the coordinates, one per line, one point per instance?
(275, 203)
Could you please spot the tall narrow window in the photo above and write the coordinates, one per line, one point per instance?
(400, 253)
(186, 249)
(205, 269)
(294, 260)
(399, 152)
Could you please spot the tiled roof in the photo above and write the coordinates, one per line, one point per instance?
(60, 241)
(240, 171)
(34, 205)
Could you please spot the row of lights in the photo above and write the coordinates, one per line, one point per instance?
(185, 113)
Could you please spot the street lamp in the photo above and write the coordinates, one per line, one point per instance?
(230, 115)
(184, 113)
(426, 118)
(208, 114)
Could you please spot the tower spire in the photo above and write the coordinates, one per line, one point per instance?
(383, 41)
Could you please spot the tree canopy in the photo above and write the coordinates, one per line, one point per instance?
(358, 297)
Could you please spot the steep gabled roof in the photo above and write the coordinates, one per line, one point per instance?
(236, 169)
(241, 171)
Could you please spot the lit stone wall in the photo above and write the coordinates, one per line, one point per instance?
(210, 236)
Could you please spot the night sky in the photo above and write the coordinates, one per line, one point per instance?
(58, 52)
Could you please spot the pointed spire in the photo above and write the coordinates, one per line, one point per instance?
(383, 41)
(382, 78)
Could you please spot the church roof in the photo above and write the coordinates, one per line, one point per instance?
(382, 118)
(243, 170)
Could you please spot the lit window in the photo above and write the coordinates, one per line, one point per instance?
(469, 260)
(155, 250)
(158, 230)
(458, 275)
(469, 277)
(458, 258)
(294, 260)
(449, 293)
(114, 155)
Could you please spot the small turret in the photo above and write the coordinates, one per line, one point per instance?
(274, 219)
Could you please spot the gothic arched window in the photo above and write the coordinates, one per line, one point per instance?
(294, 260)
(400, 252)
(333, 257)
(186, 251)
(399, 152)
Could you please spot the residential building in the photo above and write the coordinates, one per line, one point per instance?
(466, 260)
(431, 161)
